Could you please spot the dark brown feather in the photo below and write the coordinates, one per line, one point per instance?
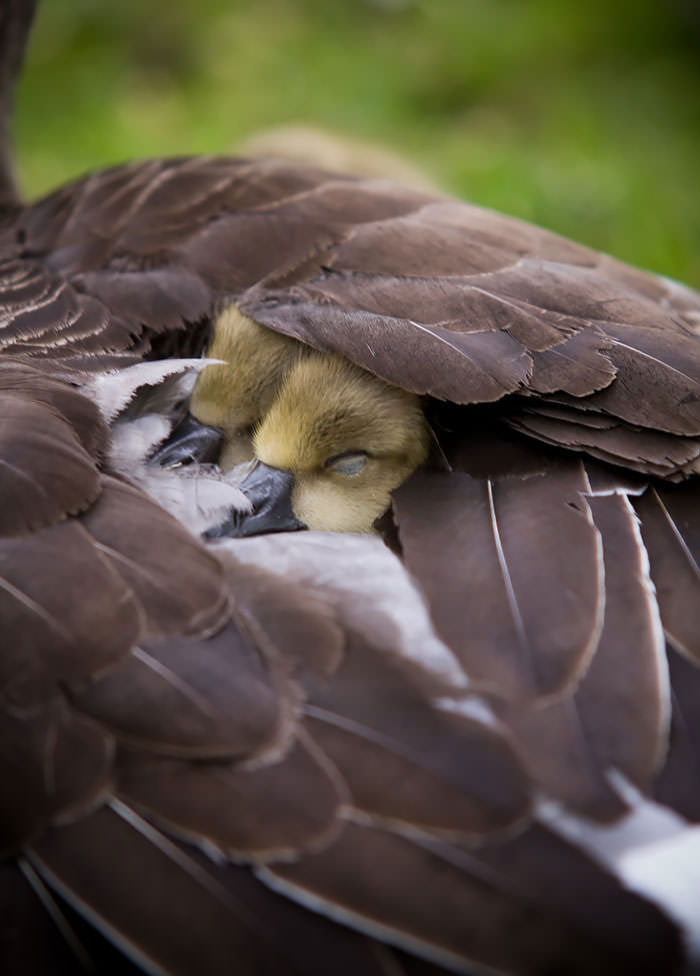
(449, 772)
(288, 621)
(678, 783)
(165, 299)
(575, 890)
(194, 698)
(82, 414)
(182, 919)
(55, 765)
(658, 365)
(671, 529)
(43, 316)
(453, 364)
(465, 800)
(143, 544)
(616, 719)
(623, 696)
(45, 472)
(282, 806)
(67, 613)
(464, 891)
(576, 366)
(488, 554)
(307, 939)
(273, 718)
(61, 943)
(650, 452)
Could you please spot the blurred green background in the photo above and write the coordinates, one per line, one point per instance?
(582, 117)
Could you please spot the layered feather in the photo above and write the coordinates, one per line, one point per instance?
(370, 733)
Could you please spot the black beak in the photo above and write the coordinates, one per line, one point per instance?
(270, 492)
(190, 441)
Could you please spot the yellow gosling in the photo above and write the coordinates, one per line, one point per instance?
(236, 396)
(348, 438)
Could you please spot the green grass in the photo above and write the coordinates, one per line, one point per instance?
(584, 118)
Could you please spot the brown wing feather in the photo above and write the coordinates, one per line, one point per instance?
(56, 764)
(672, 535)
(256, 714)
(68, 614)
(142, 544)
(616, 718)
(488, 555)
(46, 473)
(182, 920)
(216, 698)
(464, 889)
(282, 807)
(390, 732)
(678, 782)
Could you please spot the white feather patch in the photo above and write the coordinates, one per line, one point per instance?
(369, 587)
(197, 499)
(652, 850)
(133, 441)
(112, 392)
(471, 706)
(199, 496)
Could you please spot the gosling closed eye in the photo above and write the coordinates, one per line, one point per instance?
(349, 463)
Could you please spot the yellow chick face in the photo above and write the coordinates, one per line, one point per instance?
(339, 439)
(348, 439)
(236, 394)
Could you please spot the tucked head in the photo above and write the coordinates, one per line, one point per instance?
(339, 438)
(347, 438)
(234, 395)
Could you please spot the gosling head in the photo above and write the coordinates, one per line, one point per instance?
(341, 440)
(234, 395)
(331, 440)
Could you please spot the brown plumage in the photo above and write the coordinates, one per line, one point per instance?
(310, 752)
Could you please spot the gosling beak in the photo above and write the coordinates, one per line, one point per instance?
(269, 490)
(189, 441)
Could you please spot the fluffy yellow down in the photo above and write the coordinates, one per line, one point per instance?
(236, 396)
(348, 437)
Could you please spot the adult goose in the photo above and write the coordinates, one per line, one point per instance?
(463, 738)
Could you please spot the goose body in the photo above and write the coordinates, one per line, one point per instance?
(466, 740)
